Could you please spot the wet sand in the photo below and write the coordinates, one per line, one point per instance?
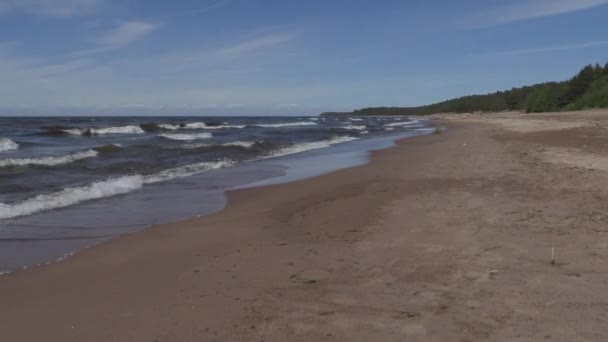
(446, 237)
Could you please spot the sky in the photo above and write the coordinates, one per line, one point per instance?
(284, 56)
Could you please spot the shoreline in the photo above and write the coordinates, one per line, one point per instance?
(294, 167)
(442, 237)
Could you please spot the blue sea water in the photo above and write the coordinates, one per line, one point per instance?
(68, 183)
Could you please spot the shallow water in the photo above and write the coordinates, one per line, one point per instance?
(54, 209)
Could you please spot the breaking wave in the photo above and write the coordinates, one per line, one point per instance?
(211, 125)
(302, 147)
(186, 171)
(187, 137)
(402, 123)
(7, 145)
(354, 127)
(48, 161)
(243, 144)
(131, 129)
(287, 124)
(101, 189)
(153, 127)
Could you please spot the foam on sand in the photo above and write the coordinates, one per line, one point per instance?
(7, 145)
(49, 161)
(187, 137)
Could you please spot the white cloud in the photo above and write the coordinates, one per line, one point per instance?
(552, 48)
(120, 36)
(531, 9)
(53, 8)
(204, 58)
(126, 33)
(84, 80)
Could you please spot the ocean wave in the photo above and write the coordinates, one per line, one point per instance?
(211, 125)
(355, 119)
(107, 148)
(286, 124)
(154, 127)
(170, 127)
(303, 147)
(71, 196)
(7, 145)
(101, 189)
(243, 144)
(187, 137)
(186, 171)
(354, 127)
(48, 161)
(402, 123)
(131, 129)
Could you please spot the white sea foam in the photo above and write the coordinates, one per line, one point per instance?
(48, 161)
(7, 145)
(402, 123)
(101, 189)
(185, 171)
(298, 148)
(244, 144)
(389, 129)
(355, 119)
(287, 124)
(225, 126)
(187, 137)
(131, 129)
(354, 127)
(202, 125)
(71, 196)
(169, 127)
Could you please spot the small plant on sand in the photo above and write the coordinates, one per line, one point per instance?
(437, 130)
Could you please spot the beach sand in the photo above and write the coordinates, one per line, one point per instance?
(446, 237)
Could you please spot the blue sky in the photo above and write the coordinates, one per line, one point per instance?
(285, 56)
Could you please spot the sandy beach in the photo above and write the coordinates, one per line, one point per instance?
(446, 237)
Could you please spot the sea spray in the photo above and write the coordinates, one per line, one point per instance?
(7, 145)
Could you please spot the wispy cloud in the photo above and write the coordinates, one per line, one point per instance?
(119, 36)
(127, 33)
(531, 9)
(552, 48)
(212, 6)
(224, 55)
(85, 80)
(52, 8)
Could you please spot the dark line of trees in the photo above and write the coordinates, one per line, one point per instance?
(588, 89)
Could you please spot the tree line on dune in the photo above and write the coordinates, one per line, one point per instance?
(587, 90)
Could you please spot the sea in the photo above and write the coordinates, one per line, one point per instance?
(68, 183)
